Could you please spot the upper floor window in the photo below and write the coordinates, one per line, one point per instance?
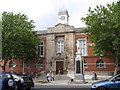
(12, 64)
(60, 44)
(82, 46)
(41, 49)
(100, 63)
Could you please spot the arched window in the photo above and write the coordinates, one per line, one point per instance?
(85, 64)
(12, 64)
(100, 63)
(39, 65)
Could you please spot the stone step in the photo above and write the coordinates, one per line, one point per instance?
(61, 77)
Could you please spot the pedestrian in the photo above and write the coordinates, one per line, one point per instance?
(48, 76)
(94, 76)
(52, 76)
(58, 73)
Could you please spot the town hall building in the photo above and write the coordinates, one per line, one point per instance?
(58, 48)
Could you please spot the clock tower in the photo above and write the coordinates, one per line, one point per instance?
(63, 16)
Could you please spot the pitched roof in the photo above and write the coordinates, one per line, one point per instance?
(41, 32)
(79, 29)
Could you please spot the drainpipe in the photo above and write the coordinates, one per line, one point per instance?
(23, 69)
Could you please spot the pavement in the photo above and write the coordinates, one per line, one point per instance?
(64, 82)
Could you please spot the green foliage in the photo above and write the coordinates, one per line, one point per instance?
(0, 40)
(104, 29)
(18, 37)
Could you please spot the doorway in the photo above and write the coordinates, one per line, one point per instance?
(59, 67)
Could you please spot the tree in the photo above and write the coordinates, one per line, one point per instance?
(18, 38)
(0, 40)
(104, 30)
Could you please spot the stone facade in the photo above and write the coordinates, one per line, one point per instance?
(68, 55)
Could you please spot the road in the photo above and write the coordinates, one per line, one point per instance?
(62, 87)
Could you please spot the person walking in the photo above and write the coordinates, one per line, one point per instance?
(94, 76)
(58, 73)
(48, 76)
(52, 76)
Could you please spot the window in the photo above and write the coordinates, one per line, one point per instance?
(41, 49)
(119, 63)
(100, 63)
(117, 78)
(60, 44)
(4, 75)
(12, 64)
(39, 65)
(85, 64)
(27, 66)
(82, 46)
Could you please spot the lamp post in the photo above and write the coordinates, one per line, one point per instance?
(84, 54)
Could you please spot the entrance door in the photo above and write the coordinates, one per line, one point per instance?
(59, 67)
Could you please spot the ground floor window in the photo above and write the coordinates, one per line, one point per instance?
(12, 64)
(85, 64)
(100, 63)
(27, 66)
(39, 65)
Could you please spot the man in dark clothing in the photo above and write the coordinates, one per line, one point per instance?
(94, 76)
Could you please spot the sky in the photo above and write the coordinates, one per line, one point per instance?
(45, 12)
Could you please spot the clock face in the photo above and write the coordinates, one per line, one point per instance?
(62, 17)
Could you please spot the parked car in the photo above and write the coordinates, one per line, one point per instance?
(23, 82)
(7, 81)
(111, 83)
